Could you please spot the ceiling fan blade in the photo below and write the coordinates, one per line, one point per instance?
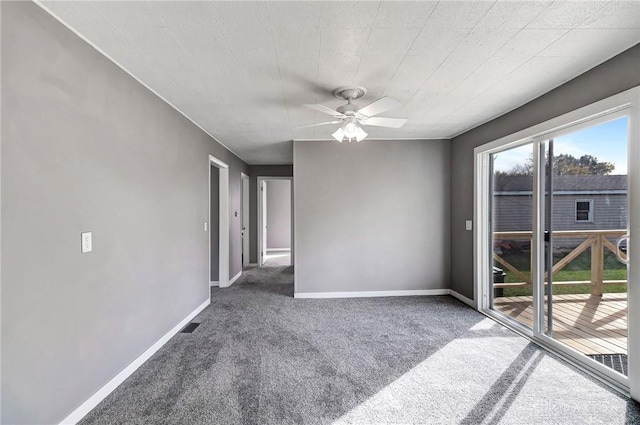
(385, 122)
(320, 123)
(325, 110)
(379, 106)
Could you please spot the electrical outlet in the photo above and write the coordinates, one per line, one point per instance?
(87, 243)
(468, 225)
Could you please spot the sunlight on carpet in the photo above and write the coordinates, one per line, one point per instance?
(489, 380)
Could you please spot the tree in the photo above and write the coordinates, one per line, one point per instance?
(565, 164)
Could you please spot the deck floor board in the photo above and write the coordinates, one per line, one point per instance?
(587, 323)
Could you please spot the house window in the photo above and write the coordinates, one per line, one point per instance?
(584, 210)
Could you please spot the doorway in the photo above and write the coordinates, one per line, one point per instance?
(275, 221)
(555, 209)
(218, 222)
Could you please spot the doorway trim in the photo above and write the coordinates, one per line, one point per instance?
(260, 179)
(223, 259)
(627, 102)
(246, 235)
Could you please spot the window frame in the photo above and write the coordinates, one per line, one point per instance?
(590, 212)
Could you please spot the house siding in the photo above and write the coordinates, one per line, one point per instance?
(514, 213)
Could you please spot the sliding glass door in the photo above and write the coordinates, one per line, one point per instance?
(555, 213)
(586, 215)
(511, 218)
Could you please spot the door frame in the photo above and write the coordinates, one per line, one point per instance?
(625, 103)
(244, 222)
(223, 237)
(261, 179)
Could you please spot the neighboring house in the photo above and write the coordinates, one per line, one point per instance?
(580, 202)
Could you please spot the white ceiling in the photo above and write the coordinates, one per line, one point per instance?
(243, 70)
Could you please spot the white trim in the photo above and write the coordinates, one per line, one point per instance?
(563, 192)
(223, 216)
(214, 283)
(245, 184)
(233, 279)
(0, 226)
(294, 242)
(633, 248)
(279, 249)
(108, 388)
(468, 301)
(143, 84)
(371, 294)
(253, 264)
(375, 139)
(602, 111)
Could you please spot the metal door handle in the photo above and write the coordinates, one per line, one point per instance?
(618, 251)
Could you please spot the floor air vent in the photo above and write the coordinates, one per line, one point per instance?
(189, 328)
(617, 362)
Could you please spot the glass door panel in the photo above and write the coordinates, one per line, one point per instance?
(585, 214)
(511, 184)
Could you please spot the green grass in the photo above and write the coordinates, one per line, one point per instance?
(579, 269)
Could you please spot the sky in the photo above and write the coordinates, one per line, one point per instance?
(606, 141)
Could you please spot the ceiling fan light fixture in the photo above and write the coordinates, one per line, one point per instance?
(350, 130)
(339, 134)
(353, 117)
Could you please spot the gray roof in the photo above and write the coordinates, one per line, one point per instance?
(571, 183)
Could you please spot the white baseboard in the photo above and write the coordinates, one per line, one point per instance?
(279, 249)
(462, 298)
(368, 294)
(103, 392)
(236, 277)
(214, 283)
(253, 264)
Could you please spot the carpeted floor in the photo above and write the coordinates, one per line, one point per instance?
(260, 356)
(278, 259)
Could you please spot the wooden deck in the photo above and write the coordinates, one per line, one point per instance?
(590, 324)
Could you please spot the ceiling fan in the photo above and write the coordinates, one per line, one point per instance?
(352, 117)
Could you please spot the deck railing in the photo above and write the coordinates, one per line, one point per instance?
(597, 240)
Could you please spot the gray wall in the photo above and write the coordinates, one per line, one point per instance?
(278, 214)
(87, 148)
(256, 171)
(214, 223)
(614, 76)
(371, 216)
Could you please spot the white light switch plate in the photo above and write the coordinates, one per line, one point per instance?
(468, 225)
(87, 244)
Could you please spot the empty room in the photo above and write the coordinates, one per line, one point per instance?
(320, 212)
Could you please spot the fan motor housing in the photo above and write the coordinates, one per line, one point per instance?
(348, 109)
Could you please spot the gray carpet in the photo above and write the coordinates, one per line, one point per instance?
(261, 357)
(278, 259)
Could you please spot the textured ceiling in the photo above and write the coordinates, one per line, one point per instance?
(243, 70)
